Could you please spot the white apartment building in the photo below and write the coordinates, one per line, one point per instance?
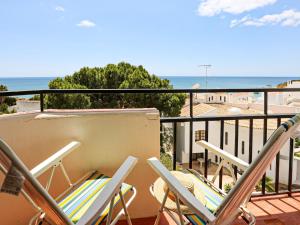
(219, 97)
(293, 98)
(229, 138)
(286, 98)
(223, 97)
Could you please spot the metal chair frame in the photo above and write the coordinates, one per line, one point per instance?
(46, 206)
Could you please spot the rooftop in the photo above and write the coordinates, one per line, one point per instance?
(203, 109)
(199, 109)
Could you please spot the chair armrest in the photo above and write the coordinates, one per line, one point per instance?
(224, 155)
(184, 195)
(54, 159)
(34, 190)
(109, 191)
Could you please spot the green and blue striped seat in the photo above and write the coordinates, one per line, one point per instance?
(78, 201)
(212, 196)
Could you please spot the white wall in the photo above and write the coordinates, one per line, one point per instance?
(214, 138)
(271, 108)
(182, 144)
(216, 97)
(293, 84)
(276, 98)
(26, 106)
(240, 98)
(285, 98)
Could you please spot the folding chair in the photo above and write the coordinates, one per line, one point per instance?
(222, 209)
(90, 200)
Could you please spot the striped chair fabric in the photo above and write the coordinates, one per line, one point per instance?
(78, 201)
(212, 196)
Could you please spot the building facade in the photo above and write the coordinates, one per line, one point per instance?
(183, 130)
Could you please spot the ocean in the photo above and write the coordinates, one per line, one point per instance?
(34, 83)
(228, 81)
(25, 83)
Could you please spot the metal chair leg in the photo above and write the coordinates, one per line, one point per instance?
(179, 210)
(111, 205)
(125, 209)
(161, 210)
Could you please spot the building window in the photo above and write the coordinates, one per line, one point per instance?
(243, 147)
(226, 138)
(220, 98)
(196, 156)
(224, 98)
(212, 98)
(209, 99)
(199, 135)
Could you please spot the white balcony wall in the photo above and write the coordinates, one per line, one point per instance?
(107, 137)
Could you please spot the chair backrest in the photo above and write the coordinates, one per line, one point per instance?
(32, 187)
(245, 185)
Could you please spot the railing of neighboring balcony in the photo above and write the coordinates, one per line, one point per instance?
(191, 119)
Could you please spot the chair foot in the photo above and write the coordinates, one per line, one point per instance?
(158, 217)
(125, 209)
(128, 219)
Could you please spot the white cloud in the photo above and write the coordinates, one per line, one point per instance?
(215, 7)
(236, 22)
(287, 18)
(86, 24)
(60, 8)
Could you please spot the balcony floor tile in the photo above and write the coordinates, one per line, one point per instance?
(272, 210)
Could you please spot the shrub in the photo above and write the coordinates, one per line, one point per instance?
(228, 187)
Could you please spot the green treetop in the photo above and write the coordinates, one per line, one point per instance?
(119, 76)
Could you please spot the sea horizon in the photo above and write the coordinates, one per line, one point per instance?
(185, 81)
(254, 75)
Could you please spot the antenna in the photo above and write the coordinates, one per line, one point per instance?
(206, 66)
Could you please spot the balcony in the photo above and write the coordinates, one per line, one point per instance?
(268, 210)
(108, 136)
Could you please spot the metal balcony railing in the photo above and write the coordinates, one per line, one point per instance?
(206, 119)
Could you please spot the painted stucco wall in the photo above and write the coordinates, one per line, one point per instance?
(107, 138)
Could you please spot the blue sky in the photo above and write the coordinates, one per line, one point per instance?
(169, 37)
